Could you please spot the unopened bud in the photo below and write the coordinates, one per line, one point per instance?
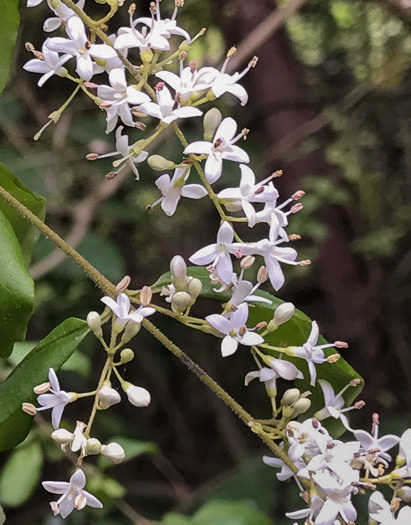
(290, 396)
(123, 284)
(301, 406)
(132, 329)
(283, 313)
(107, 397)
(212, 120)
(262, 274)
(180, 302)
(159, 163)
(247, 262)
(333, 358)
(93, 446)
(42, 389)
(94, 322)
(178, 269)
(29, 409)
(126, 355)
(138, 396)
(62, 436)
(114, 452)
(405, 494)
(194, 288)
(146, 295)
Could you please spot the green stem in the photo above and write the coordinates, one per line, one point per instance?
(108, 365)
(104, 284)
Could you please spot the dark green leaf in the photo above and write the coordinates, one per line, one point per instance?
(293, 333)
(26, 233)
(16, 290)
(230, 513)
(176, 519)
(132, 449)
(9, 25)
(16, 487)
(52, 352)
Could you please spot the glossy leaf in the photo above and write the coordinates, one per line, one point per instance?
(26, 233)
(52, 352)
(293, 333)
(17, 290)
(9, 25)
(16, 488)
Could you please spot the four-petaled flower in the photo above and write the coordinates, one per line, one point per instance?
(49, 64)
(121, 309)
(73, 495)
(278, 368)
(234, 330)
(334, 404)
(164, 110)
(56, 400)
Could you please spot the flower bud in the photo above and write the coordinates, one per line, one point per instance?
(405, 494)
(107, 397)
(159, 163)
(132, 329)
(93, 446)
(301, 406)
(138, 396)
(212, 120)
(180, 301)
(283, 313)
(94, 322)
(114, 452)
(62, 436)
(290, 396)
(178, 269)
(194, 288)
(126, 356)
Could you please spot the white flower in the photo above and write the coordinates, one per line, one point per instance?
(225, 83)
(338, 499)
(63, 13)
(334, 404)
(380, 511)
(286, 472)
(138, 396)
(56, 400)
(73, 495)
(191, 80)
(235, 199)
(130, 37)
(312, 352)
(79, 47)
(243, 292)
(110, 63)
(120, 95)
(166, 27)
(405, 454)
(372, 444)
(218, 254)
(50, 64)
(164, 109)
(234, 330)
(221, 148)
(126, 152)
(278, 368)
(121, 309)
(175, 188)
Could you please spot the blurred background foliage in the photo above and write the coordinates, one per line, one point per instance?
(330, 105)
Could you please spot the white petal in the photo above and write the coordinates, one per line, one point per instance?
(219, 322)
(152, 109)
(275, 272)
(228, 346)
(187, 112)
(194, 191)
(78, 479)
(205, 255)
(172, 79)
(199, 147)
(56, 415)
(286, 370)
(170, 201)
(250, 376)
(92, 501)
(163, 183)
(247, 181)
(225, 234)
(136, 97)
(226, 130)
(51, 24)
(56, 487)
(235, 154)
(239, 317)
(251, 339)
(213, 168)
(239, 92)
(224, 269)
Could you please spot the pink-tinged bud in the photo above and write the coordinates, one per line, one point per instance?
(359, 405)
(42, 389)
(296, 208)
(341, 344)
(123, 284)
(29, 409)
(138, 396)
(114, 452)
(92, 156)
(298, 194)
(107, 397)
(160, 86)
(238, 253)
(146, 295)
(283, 313)
(193, 66)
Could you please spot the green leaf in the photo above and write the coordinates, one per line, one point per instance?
(16, 290)
(21, 474)
(9, 25)
(52, 352)
(26, 233)
(293, 333)
(229, 513)
(175, 519)
(132, 449)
